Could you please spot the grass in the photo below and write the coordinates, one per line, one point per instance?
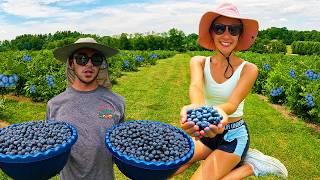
(289, 49)
(20, 111)
(158, 92)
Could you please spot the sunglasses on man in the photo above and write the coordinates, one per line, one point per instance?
(83, 59)
(233, 29)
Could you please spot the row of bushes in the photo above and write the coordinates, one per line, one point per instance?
(269, 46)
(287, 79)
(41, 77)
(277, 46)
(306, 48)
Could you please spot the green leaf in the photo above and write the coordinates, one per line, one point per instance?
(20, 68)
(8, 72)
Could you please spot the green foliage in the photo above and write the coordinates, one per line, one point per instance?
(191, 42)
(276, 46)
(306, 47)
(260, 45)
(294, 88)
(267, 46)
(124, 42)
(174, 39)
(33, 75)
(2, 104)
(288, 36)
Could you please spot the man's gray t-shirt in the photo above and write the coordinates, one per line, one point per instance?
(92, 113)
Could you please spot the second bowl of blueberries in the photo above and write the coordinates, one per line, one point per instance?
(146, 149)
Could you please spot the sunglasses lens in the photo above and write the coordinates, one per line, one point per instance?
(219, 28)
(235, 29)
(97, 59)
(81, 59)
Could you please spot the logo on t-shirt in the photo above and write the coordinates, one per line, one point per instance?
(106, 111)
(106, 114)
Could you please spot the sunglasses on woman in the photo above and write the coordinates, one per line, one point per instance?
(234, 29)
(83, 59)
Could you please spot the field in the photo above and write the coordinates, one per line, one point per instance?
(158, 93)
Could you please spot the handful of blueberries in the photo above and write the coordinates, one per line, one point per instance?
(149, 141)
(204, 116)
(33, 137)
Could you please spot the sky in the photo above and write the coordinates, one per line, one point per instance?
(113, 17)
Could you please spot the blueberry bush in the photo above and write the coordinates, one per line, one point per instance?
(38, 75)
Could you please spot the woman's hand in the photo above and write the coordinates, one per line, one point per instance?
(213, 130)
(189, 127)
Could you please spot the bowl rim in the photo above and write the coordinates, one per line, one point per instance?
(157, 165)
(39, 156)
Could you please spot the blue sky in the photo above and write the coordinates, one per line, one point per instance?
(112, 17)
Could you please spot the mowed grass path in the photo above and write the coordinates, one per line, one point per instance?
(158, 93)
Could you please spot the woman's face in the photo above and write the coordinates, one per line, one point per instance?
(226, 42)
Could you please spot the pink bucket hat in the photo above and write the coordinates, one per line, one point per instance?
(246, 39)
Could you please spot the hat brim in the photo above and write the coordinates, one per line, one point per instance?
(246, 39)
(63, 53)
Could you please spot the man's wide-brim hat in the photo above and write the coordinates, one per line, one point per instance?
(246, 39)
(64, 53)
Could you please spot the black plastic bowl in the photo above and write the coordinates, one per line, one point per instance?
(137, 169)
(41, 165)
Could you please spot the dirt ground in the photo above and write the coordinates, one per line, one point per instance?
(3, 124)
(288, 114)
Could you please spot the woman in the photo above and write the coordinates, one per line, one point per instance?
(224, 80)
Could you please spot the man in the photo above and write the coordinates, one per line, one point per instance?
(89, 105)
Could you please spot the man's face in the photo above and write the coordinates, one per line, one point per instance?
(85, 73)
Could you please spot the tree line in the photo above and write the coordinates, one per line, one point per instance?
(272, 40)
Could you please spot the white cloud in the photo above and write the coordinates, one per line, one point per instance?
(29, 9)
(159, 16)
(66, 1)
(37, 8)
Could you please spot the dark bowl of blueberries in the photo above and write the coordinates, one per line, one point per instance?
(36, 150)
(145, 149)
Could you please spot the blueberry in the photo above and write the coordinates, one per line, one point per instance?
(32, 137)
(205, 116)
(150, 141)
